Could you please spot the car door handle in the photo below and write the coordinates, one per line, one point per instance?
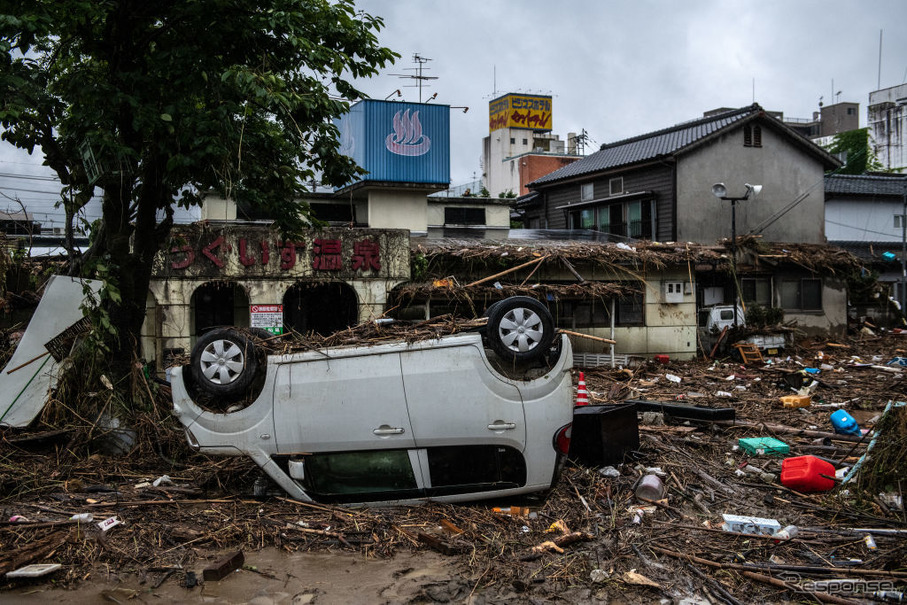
(388, 430)
(502, 426)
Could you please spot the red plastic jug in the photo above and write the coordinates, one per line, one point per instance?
(804, 474)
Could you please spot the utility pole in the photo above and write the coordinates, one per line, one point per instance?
(903, 297)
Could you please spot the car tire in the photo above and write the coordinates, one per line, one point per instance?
(224, 364)
(520, 329)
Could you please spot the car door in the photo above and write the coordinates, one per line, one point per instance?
(454, 398)
(341, 401)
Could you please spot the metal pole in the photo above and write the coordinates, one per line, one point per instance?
(903, 298)
(734, 253)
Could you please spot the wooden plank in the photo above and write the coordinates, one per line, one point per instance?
(224, 567)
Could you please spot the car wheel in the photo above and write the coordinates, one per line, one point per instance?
(520, 328)
(224, 363)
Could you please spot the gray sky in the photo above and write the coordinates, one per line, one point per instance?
(616, 68)
(619, 68)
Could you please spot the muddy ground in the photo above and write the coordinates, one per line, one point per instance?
(590, 540)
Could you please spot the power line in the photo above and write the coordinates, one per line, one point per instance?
(862, 229)
(28, 177)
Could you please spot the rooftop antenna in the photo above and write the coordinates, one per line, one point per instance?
(580, 140)
(879, 83)
(419, 76)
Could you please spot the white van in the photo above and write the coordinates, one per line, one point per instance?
(431, 419)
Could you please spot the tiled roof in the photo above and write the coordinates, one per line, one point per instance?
(865, 184)
(648, 146)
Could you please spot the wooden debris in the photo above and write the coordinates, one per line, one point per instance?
(547, 546)
(637, 579)
(437, 544)
(224, 567)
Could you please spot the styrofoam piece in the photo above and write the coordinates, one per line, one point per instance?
(35, 570)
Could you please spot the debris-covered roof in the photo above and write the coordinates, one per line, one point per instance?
(637, 254)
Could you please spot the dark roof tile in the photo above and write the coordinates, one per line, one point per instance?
(865, 184)
(649, 146)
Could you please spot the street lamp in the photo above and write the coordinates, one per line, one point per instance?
(720, 191)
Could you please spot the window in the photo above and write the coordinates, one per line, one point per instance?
(752, 136)
(596, 313)
(756, 291)
(850, 111)
(586, 219)
(616, 186)
(634, 219)
(630, 310)
(898, 221)
(801, 294)
(629, 219)
(461, 469)
(525, 141)
(512, 141)
(359, 472)
(464, 216)
(587, 191)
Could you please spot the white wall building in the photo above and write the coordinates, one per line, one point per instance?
(888, 126)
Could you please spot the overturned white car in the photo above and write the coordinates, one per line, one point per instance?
(432, 419)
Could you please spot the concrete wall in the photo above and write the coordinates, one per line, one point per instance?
(785, 171)
(398, 209)
(496, 215)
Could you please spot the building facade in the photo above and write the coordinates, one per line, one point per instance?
(520, 146)
(888, 126)
(658, 186)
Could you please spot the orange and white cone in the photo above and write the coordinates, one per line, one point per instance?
(582, 395)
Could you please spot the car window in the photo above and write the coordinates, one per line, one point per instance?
(359, 472)
(460, 469)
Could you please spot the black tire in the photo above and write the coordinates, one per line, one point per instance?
(224, 364)
(492, 307)
(520, 329)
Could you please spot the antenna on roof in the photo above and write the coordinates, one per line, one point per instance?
(418, 76)
(580, 140)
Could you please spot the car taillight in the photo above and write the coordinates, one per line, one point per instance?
(562, 439)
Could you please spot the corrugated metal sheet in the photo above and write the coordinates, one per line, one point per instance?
(399, 142)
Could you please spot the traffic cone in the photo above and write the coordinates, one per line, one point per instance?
(582, 395)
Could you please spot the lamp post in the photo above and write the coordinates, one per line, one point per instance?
(720, 191)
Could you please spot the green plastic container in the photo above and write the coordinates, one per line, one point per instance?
(768, 446)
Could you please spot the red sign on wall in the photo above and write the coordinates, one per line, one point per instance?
(326, 255)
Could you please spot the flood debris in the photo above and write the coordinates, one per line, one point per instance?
(591, 538)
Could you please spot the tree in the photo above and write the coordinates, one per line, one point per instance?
(154, 103)
(858, 155)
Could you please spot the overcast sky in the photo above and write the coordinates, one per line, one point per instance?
(615, 68)
(622, 68)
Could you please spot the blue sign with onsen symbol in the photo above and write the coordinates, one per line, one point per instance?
(398, 142)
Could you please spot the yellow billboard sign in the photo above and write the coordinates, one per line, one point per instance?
(520, 111)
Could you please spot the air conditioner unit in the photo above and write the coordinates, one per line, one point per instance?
(673, 291)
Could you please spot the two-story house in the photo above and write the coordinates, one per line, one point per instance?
(657, 186)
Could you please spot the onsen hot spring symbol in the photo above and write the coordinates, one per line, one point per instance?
(407, 138)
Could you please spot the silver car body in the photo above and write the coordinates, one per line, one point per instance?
(417, 398)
